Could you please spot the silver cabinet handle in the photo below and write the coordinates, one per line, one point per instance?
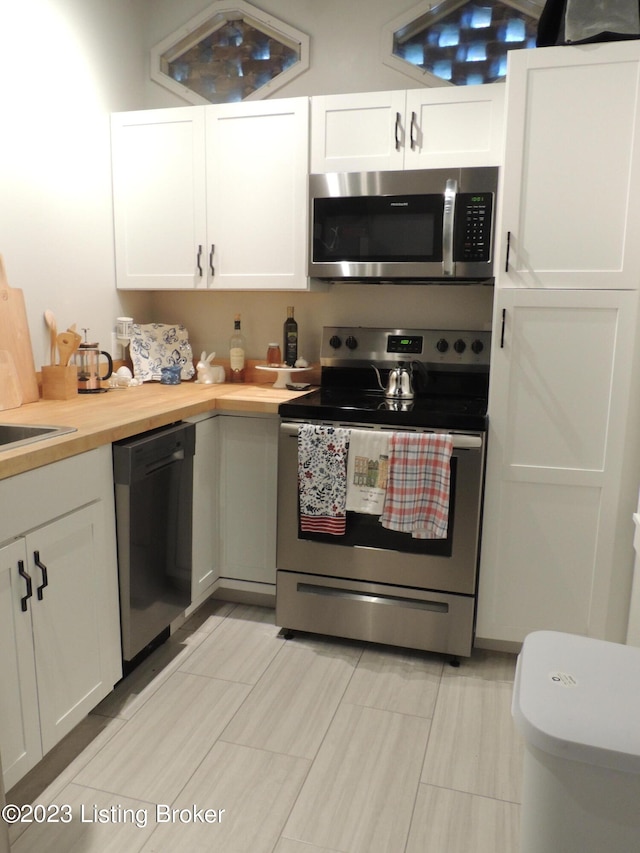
(199, 260)
(398, 129)
(211, 267)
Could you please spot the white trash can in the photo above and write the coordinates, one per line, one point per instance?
(576, 702)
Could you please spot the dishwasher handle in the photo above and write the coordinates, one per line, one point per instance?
(176, 456)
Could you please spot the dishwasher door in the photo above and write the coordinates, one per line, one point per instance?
(153, 475)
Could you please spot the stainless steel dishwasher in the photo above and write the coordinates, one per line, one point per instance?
(153, 476)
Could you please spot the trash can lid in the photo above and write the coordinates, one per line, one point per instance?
(579, 698)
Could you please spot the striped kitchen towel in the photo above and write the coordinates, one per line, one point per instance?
(322, 478)
(417, 499)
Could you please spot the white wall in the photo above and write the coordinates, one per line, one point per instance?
(64, 65)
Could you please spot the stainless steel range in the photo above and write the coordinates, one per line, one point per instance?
(366, 580)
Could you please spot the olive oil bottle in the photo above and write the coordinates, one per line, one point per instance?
(290, 339)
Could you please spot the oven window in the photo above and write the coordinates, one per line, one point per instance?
(366, 530)
(378, 228)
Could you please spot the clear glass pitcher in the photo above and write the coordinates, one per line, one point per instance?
(87, 359)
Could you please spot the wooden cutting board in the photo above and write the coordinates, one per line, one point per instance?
(10, 390)
(15, 338)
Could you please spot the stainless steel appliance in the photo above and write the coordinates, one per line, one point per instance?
(432, 225)
(373, 583)
(153, 475)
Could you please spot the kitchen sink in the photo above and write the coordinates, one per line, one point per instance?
(15, 435)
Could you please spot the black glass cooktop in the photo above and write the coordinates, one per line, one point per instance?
(371, 407)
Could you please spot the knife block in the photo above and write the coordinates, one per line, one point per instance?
(59, 382)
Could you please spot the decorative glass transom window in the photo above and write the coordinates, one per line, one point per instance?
(463, 43)
(230, 52)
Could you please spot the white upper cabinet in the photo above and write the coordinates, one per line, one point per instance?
(257, 162)
(158, 162)
(212, 197)
(418, 129)
(570, 207)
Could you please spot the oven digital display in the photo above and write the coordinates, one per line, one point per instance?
(405, 344)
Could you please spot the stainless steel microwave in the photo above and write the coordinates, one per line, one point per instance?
(434, 225)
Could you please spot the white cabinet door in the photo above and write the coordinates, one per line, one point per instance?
(558, 419)
(257, 163)
(19, 719)
(455, 126)
(61, 656)
(248, 484)
(428, 128)
(570, 207)
(66, 621)
(158, 163)
(358, 133)
(205, 507)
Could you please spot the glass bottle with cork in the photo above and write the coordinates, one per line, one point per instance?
(290, 339)
(237, 350)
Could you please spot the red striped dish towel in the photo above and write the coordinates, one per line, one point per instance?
(417, 499)
(322, 478)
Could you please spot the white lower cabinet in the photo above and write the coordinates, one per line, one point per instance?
(205, 507)
(561, 466)
(59, 630)
(248, 488)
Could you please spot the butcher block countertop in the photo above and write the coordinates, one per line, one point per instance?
(103, 418)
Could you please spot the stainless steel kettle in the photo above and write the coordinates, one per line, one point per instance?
(399, 382)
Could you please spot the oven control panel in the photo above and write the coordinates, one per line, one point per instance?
(358, 345)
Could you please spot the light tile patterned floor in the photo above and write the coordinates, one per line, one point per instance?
(310, 745)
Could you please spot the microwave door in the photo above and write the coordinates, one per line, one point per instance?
(371, 236)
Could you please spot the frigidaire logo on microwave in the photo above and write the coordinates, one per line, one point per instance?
(423, 225)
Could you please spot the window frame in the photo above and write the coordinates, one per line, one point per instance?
(411, 20)
(207, 22)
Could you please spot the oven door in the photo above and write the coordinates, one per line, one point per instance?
(378, 585)
(371, 553)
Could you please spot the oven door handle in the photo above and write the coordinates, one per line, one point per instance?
(461, 441)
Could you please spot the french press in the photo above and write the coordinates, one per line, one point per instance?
(88, 363)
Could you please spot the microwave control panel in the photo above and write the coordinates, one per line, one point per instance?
(473, 226)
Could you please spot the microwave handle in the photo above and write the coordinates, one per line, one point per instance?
(450, 192)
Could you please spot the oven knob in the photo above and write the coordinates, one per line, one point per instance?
(335, 342)
(459, 346)
(477, 347)
(351, 342)
(442, 345)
